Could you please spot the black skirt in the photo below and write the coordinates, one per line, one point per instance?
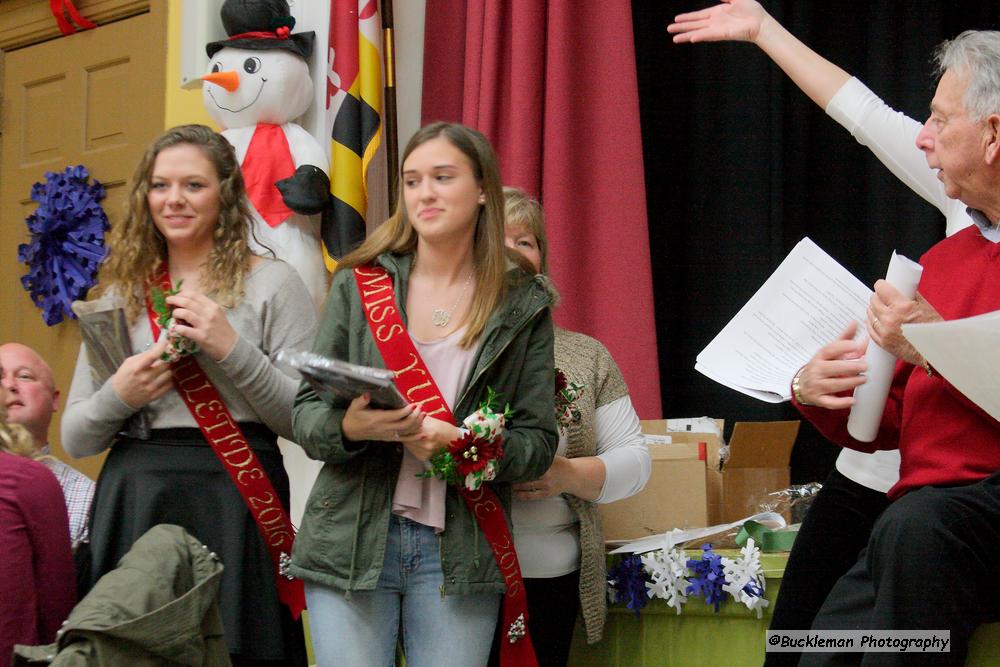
(175, 477)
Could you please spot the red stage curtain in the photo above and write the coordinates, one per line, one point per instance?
(553, 86)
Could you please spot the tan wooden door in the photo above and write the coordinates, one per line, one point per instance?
(94, 98)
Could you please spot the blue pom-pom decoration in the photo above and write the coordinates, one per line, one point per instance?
(67, 241)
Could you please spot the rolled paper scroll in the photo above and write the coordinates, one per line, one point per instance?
(869, 398)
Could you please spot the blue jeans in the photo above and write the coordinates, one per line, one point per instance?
(436, 630)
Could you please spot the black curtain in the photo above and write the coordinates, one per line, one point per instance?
(740, 165)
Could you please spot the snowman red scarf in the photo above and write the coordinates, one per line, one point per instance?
(268, 160)
(415, 382)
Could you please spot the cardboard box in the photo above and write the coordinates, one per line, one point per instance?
(673, 497)
(690, 487)
(757, 465)
(712, 441)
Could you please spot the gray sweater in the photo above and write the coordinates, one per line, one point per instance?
(275, 313)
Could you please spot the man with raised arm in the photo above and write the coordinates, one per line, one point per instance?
(952, 162)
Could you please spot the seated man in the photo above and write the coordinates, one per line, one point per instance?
(931, 561)
(31, 399)
(840, 520)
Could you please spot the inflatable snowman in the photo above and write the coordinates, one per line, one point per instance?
(258, 84)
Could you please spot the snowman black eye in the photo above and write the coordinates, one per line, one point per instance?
(217, 67)
(251, 65)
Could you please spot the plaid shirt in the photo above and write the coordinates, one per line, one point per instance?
(79, 492)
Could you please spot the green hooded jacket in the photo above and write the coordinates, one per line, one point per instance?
(346, 521)
(158, 607)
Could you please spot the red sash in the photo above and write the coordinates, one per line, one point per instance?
(415, 382)
(234, 452)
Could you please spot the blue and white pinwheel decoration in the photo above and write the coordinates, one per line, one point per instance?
(67, 241)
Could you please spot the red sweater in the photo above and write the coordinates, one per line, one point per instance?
(37, 578)
(944, 439)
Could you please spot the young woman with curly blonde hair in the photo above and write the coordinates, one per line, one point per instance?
(187, 226)
(139, 246)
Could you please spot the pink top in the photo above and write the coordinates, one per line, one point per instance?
(422, 499)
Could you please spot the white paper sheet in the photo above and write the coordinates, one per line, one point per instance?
(866, 413)
(806, 303)
(965, 353)
(668, 540)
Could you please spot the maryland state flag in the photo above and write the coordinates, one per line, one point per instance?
(354, 108)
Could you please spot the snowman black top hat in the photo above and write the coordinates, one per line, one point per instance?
(261, 25)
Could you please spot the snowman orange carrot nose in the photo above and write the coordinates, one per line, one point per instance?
(229, 80)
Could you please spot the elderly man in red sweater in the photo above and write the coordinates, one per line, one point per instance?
(931, 560)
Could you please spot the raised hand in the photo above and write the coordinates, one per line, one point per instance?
(836, 368)
(203, 321)
(144, 377)
(738, 20)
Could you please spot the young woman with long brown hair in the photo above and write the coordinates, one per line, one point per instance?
(387, 554)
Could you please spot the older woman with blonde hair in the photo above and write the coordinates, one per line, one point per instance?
(601, 458)
(14, 439)
(37, 579)
(209, 383)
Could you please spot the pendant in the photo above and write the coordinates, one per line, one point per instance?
(440, 317)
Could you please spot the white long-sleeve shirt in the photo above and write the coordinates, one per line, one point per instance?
(546, 531)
